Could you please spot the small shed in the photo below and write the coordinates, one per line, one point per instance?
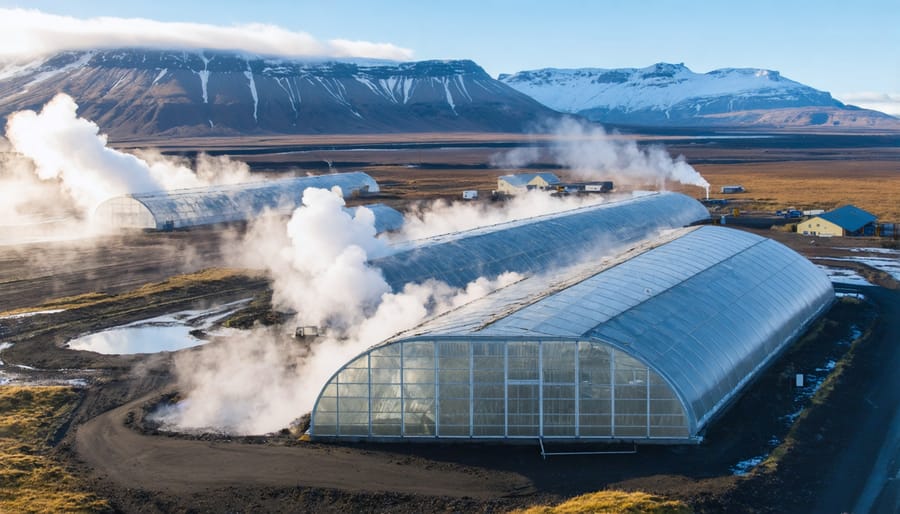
(733, 189)
(848, 220)
(521, 182)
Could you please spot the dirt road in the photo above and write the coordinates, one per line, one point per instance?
(178, 466)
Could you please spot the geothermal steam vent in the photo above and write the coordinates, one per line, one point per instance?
(648, 346)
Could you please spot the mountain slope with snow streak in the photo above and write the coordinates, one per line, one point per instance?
(673, 95)
(155, 92)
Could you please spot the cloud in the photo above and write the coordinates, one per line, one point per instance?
(29, 33)
(888, 103)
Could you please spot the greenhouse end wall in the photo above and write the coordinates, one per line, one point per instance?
(481, 388)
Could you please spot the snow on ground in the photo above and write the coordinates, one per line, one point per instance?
(30, 314)
(811, 383)
(4, 346)
(889, 265)
(886, 251)
(844, 276)
(743, 467)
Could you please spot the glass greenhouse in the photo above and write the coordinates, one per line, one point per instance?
(537, 244)
(648, 346)
(166, 210)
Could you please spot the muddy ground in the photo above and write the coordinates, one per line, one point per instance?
(825, 468)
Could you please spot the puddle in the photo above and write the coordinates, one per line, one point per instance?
(167, 333)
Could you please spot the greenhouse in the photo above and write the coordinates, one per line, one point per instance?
(183, 208)
(647, 346)
(541, 243)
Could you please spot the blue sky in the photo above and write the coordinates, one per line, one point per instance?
(846, 48)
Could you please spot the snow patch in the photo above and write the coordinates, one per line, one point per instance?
(461, 85)
(30, 314)
(46, 75)
(4, 346)
(743, 467)
(162, 73)
(289, 90)
(844, 276)
(449, 96)
(253, 93)
(891, 266)
(204, 79)
(886, 251)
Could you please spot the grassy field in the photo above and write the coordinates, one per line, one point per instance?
(870, 185)
(31, 480)
(612, 502)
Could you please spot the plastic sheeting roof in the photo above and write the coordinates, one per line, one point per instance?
(538, 244)
(706, 308)
(221, 204)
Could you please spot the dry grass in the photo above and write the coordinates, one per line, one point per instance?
(870, 185)
(610, 502)
(30, 479)
(186, 281)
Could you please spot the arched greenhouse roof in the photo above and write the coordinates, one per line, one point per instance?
(685, 321)
(222, 204)
(541, 243)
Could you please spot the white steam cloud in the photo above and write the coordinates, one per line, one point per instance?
(56, 157)
(261, 381)
(590, 153)
(442, 217)
(29, 33)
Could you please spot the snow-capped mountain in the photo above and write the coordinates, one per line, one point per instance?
(673, 95)
(152, 92)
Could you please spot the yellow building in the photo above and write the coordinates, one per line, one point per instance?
(843, 221)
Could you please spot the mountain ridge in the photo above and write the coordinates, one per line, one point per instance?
(132, 92)
(667, 94)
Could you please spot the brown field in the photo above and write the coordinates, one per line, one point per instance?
(816, 174)
(870, 185)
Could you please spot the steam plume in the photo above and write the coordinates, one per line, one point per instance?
(260, 382)
(589, 153)
(56, 149)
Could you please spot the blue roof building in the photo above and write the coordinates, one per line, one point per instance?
(848, 220)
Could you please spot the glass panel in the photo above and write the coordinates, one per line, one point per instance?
(595, 390)
(523, 360)
(488, 393)
(524, 414)
(559, 410)
(559, 362)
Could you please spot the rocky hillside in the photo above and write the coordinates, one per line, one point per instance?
(673, 95)
(151, 93)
